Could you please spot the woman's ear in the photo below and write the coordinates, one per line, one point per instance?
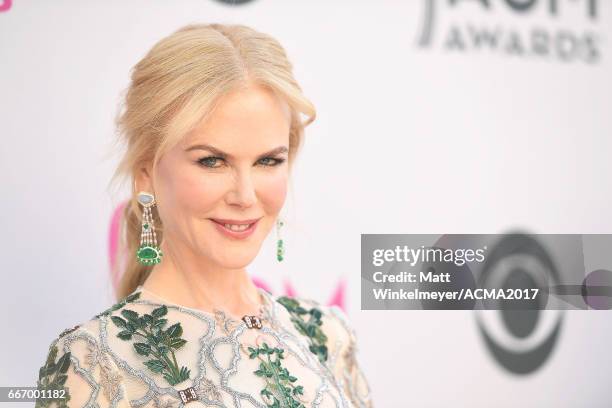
(143, 180)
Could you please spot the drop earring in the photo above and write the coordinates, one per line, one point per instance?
(148, 253)
(280, 249)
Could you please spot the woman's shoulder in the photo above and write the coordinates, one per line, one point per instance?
(327, 326)
(87, 329)
(334, 340)
(91, 325)
(77, 365)
(302, 305)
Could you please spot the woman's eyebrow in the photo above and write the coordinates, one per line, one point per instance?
(214, 150)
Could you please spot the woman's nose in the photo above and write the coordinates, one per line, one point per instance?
(242, 191)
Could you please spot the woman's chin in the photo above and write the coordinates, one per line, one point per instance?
(235, 258)
(235, 263)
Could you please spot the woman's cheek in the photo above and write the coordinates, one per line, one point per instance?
(199, 192)
(274, 191)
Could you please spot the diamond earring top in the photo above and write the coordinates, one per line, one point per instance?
(146, 199)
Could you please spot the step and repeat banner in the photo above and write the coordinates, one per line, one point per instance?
(436, 119)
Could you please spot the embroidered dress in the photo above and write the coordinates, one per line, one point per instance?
(147, 352)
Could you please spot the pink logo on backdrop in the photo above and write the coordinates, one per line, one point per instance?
(336, 298)
(5, 5)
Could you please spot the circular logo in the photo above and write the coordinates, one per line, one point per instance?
(520, 336)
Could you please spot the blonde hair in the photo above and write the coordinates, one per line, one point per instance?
(172, 89)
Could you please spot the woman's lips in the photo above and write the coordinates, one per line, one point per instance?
(239, 230)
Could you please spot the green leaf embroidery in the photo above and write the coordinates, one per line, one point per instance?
(143, 348)
(310, 328)
(280, 388)
(157, 342)
(175, 330)
(119, 304)
(155, 365)
(51, 377)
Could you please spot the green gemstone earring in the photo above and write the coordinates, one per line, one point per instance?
(148, 253)
(280, 250)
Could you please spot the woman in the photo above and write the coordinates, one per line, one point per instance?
(211, 125)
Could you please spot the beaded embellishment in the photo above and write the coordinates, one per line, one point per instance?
(148, 253)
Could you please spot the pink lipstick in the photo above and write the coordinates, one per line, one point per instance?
(238, 229)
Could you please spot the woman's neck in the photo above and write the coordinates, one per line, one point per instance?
(199, 285)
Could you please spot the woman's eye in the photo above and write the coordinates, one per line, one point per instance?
(271, 161)
(215, 162)
(210, 161)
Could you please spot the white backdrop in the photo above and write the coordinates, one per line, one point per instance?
(442, 137)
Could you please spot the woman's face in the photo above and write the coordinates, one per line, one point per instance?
(232, 169)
